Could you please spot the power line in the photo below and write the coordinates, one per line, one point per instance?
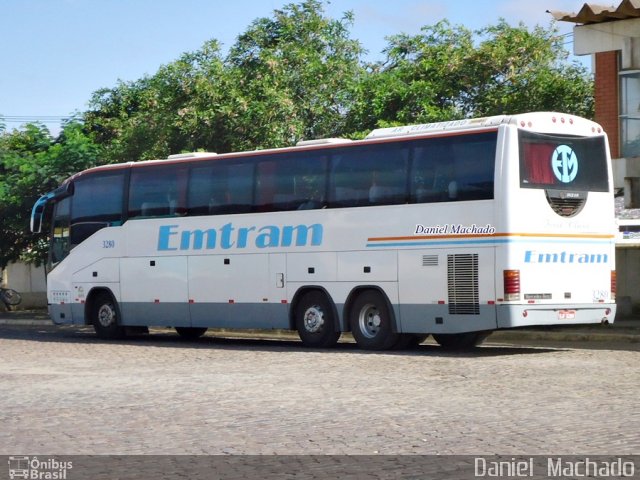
(44, 119)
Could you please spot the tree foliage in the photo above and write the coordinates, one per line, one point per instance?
(449, 72)
(287, 77)
(31, 163)
(178, 108)
(295, 75)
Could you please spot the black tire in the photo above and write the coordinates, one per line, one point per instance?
(315, 321)
(105, 317)
(372, 322)
(461, 341)
(191, 333)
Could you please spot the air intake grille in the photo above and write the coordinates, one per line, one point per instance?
(430, 260)
(462, 273)
(565, 206)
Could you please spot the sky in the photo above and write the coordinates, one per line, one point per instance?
(55, 53)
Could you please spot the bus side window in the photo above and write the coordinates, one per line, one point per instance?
(96, 203)
(239, 188)
(157, 191)
(206, 184)
(474, 166)
(448, 169)
(295, 182)
(364, 176)
(427, 183)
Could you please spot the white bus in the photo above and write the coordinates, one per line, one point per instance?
(453, 229)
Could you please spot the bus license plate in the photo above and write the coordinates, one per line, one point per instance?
(566, 314)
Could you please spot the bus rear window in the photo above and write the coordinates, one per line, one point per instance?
(563, 162)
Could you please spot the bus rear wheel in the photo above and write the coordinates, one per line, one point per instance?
(461, 341)
(105, 317)
(371, 322)
(315, 321)
(191, 333)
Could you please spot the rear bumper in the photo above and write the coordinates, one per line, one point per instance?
(513, 316)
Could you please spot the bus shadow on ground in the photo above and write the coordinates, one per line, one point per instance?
(169, 339)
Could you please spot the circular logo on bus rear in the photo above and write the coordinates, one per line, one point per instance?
(565, 163)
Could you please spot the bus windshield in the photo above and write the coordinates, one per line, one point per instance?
(563, 162)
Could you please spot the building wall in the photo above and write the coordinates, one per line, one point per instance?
(30, 281)
(628, 279)
(607, 97)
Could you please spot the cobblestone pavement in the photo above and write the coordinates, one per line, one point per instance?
(63, 391)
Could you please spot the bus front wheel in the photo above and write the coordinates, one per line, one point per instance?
(315, 321)
(461, 341)
(105, 317)
(371, 322)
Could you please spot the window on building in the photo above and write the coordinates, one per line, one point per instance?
(630, 113)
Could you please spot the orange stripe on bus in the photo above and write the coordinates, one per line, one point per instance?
(490, 235)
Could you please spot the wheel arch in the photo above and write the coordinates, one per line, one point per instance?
(351, 298)
(296, 301)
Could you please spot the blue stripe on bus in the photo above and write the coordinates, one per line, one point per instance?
(485, 242)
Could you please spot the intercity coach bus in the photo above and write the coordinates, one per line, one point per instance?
(451, 229)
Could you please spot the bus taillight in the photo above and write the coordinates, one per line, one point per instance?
(614, 284)
(511, 285)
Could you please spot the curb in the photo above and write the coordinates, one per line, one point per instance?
(25, 322)
(497, 336)
(577, 336)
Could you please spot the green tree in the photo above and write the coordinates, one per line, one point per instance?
(32, 163)
(176, 109)
(449, 72)
(295, 76)
(517, 70)
(288, 77)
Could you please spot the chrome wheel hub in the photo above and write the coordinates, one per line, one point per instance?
(313, 319)
(106, 315)
(369, 321)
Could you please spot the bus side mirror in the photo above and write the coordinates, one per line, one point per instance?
(37, 213)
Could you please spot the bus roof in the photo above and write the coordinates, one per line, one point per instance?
(534, 120)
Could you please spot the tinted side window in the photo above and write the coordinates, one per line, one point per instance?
(370, 175)
(60, 238)
(96, 203)
(453, 168)
(220, 188)
(158, 191)
(293, 182)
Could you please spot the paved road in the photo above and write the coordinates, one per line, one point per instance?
(62, 391)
